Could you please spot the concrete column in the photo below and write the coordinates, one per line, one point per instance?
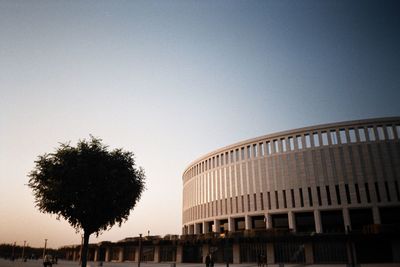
(205, 227)
(309, 253)
(179, 254)
(206, 249)
(157, 254)
(270, 253)
(216, 226)
(269, 221)
(247, 222)
(317, 221)
(375, 215)
(191, 229)
(346, 219)
(236, 253)
(196, 228)
(137, 253)
(231, 224)
(108, 255)
(292, 221)
(120, 254)
(96, 254)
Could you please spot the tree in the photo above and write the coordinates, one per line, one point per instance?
(87, 185)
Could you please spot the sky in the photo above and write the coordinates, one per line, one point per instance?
(174, 80)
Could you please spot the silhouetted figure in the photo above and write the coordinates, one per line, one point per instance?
(259, 260)
(47, 261)
(211, 260)
(208, 260)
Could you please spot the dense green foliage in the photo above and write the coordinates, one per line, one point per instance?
(87, 185)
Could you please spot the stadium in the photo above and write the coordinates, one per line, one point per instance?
(321, 194)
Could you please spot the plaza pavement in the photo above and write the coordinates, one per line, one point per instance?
(61, 263)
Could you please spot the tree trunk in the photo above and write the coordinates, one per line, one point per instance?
(85, 248)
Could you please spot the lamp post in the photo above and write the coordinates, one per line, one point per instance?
(23, 251)
(140, 249)
(44, 249)
(13, 251)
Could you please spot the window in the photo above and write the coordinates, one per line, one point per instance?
(283, 144)
(269, 200)
(371, 134)
(352, 135)
(316, 139)
(357, 193)
(387, 191)
(342, 134)
(319, 196)
(291, 143)
(248, 202)
(301, 197)
(268, 148)
(308, 140)
(396, 187)
(346, 187)
(255, 151)
(378, 194)
(339, 201)
(310, 196)
(262, 201)
(367, 193)
(293, 199)
(262, 152)
(222, 159)
(276, 146)
(237, 155)
(334, 137)
(299, 143)
(328, 195)
(381, 134)
(390, 133)
(361, 134)
(248, 152)
(242, 153)
(284, 199)
(276, 200)
(324, 138)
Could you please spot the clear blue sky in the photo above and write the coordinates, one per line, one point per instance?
(172, 80)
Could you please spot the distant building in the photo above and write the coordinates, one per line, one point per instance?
(322, 194)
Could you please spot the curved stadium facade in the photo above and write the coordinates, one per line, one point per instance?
(322, 179)
(321, 194)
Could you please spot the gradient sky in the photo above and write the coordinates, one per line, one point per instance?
(173, 80)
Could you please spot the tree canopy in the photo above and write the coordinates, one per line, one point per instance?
(87, 185)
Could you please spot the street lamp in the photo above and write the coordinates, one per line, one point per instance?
(13, 251)
(44, 249)
(140, 249)
(23, 251)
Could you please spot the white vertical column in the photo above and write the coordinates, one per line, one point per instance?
(346, 219)
(247, 222)
(317, 220)
(231, 225)
(375, 215)
(291, 219)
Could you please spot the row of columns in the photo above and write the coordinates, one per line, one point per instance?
(196, 228)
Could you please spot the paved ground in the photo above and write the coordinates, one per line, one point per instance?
(38, 263)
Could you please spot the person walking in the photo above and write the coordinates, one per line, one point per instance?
(208, 260)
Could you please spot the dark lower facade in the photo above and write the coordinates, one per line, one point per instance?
(370, 244)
